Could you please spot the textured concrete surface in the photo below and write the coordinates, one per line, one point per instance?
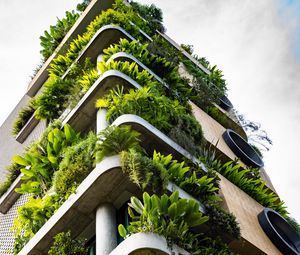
(246, 209)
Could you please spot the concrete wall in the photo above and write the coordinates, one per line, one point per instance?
(8, 144)
(246, 210)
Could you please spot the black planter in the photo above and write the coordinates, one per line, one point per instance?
(280, 232)
(242, 149)
(225, 103)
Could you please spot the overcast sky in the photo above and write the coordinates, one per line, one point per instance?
(255, 43)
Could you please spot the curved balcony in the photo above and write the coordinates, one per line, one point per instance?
(94, 8)
(106, 183)
(83, 115)
(152, 138)
(146, 243)
(123, 56)
(9, 198)
(105, 36)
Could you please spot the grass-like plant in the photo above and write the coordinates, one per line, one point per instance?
(252, 185)
(50, 40)
(64, 244)
(24, 115)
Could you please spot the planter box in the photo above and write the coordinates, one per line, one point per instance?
(27, 129)
(146, 243)
(9, 198)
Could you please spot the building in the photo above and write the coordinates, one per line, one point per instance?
(92, 202)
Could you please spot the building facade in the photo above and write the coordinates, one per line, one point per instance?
(164, 127)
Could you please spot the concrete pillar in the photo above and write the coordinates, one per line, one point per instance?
(101, 120)
(106, 229)
(100, 57)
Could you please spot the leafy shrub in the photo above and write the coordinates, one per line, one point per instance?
(64, 245)
(78, 160)
(201, 185)
(188, 133)
(221, 221)
(131, 69)
(82, 6)
(42, 159)
(13, 172)
(167, 115)
(250, 184)
(162, 48)
(50, 40)
(204, 92)
(151, 13)
(168, 216)
(110, 16)
(143, 171)
(31, 217)
(24, 115)
(50, 103)
(145, 102)
(178, 88)
(114, 140)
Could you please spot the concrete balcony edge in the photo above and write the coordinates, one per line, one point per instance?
(93, 9)
(146, 241)
(8, 199)
(27, 129)
(103, 38)
(82, 204)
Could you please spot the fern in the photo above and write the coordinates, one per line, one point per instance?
(250, 184)
(114, 140)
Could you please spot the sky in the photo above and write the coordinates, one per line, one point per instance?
(255, 43)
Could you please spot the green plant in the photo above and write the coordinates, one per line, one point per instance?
(50, 40)
(131, 69)
(188, 133)
(151, 13)
(168, 216)
(203, 186)
(160, 111)
(64, 245)
(167, 115)
(114, 139)
(31, 217)
(42, 159)
(294, 224)
(50, 104)
(13, 172)
(215, 113)
(24, 115)
(82, 6)
(143, 171)
(204, 92)
(252, 185)
(162, 48)
(178, 88)
(221, 222)
(78, 160)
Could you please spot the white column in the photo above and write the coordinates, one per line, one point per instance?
(106, 229)
(101, 121)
